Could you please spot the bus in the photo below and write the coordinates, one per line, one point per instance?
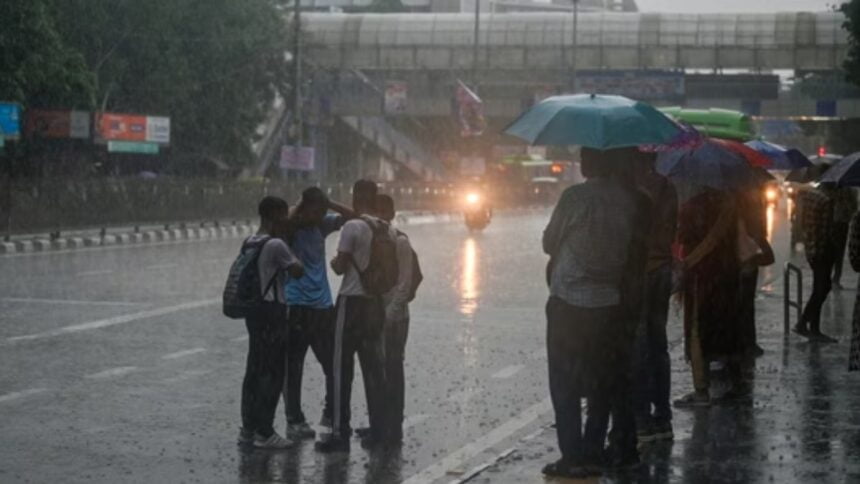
(719, 123)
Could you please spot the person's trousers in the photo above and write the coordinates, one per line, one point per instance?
(358, 331)
(572, 348)
(652, 363)
(840, 242)
(694, 349)
(309, 328)
(821, 285)
(746, 310)
(264, 370)
(396, 333)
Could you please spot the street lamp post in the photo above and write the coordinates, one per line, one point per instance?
(573, 46)
(475, 45)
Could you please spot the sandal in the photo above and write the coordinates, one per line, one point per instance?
(560, 468)
(692, 400)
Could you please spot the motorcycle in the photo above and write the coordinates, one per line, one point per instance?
(476, 213)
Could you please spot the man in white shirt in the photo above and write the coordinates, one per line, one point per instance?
(358, 327)
(396, 328)
(267, 328)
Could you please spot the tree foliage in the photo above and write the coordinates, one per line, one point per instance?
(37, 68)
(852, 25)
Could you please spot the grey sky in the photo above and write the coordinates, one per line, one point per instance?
(726, 6)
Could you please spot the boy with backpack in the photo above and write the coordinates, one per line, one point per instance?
(397, 321)
(366, 257)
(253, 292)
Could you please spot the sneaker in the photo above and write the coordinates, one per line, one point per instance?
(645, 432)
(561, 468)
(332, 444)
(692, 400)
(246, 437)
(663, 430)
(300, 431)
(273, 441)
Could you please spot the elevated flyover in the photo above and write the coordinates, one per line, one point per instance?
(541, 42)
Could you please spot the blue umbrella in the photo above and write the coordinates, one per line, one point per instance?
(783, 158)
(708, 165)
(845, 173)
(594, 121)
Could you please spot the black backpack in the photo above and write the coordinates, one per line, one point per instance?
(417, 275)
(382, 271)
(242, 296)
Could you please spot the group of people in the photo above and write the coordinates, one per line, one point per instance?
(620, 244)
(295, 312)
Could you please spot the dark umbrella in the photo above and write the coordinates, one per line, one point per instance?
(845, 173)
(820, 164)
(782, 158)
(709, 165)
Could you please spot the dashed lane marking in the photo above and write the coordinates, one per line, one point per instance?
(116, 320)
(22, 394)
(112, 372)
(507, 371)
(94, 273)
(462, 455)
(77, 302)
(187, 375)
(183, 353)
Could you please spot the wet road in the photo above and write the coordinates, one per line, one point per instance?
(117, 366)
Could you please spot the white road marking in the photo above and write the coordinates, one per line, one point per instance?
(460, 456)
(78, 302)
(183, 353)
(159, 266)
(116, 320)
(413, 420)
(507, 371)
(186, 375)
(239, 339)
(94, 273)
(112, 372)
(23, 393)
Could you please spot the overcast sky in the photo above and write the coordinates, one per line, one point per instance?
(701, 6)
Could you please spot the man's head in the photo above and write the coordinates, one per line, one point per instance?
(314, 206)
(595, 163)
(273, 212)
(364, 196)
(385, 207)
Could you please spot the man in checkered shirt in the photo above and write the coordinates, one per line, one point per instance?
(816, 211)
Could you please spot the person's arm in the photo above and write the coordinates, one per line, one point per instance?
(555, 229)
(399, 297)
(340, 262)
(342, 209)
(287, 262)
(345, 249)
(854, 242)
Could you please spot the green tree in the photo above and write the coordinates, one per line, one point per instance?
(214, 66)
(852, 25)
(38, 68)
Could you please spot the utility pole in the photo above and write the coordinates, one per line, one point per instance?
(476, 45)
(297, 77)
(573, 46)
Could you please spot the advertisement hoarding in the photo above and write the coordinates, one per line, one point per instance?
(57, 124)
(10, 120)
(635, 84)
(396, 95)
(301, 159)
(132, 127)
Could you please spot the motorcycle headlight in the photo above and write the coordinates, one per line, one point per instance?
(473, 198)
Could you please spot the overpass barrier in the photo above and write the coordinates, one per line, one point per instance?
(612, 40)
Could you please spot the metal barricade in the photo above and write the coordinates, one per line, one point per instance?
(787, 302)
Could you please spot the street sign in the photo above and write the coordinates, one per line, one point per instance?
(10, 120)
(301, 159)
(132, 147)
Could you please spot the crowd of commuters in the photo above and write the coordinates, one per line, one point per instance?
(290, 310)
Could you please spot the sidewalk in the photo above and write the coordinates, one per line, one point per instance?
(802, 426)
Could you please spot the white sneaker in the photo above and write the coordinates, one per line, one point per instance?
(274, 441)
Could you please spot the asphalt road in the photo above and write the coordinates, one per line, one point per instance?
(117, 365)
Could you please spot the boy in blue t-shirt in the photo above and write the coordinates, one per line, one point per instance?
(310, 301)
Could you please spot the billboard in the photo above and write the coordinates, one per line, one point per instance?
(133, 127)
(10, 120)
(301, 159)
(57, 124)
(635, 84)
(396, 95)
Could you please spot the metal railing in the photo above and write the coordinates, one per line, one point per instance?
(791, 269)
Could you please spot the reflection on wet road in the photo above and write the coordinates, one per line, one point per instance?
(155, 396)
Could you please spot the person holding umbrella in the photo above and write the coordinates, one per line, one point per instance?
(591, 240)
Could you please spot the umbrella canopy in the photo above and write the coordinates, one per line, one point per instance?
(752, 156)
(812, 173)
(783, 158)
(709, 165)
(845, 173)
(594, 121)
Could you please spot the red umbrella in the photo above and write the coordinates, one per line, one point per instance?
(753, 157)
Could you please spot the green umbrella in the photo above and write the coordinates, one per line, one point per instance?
(595, 121)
